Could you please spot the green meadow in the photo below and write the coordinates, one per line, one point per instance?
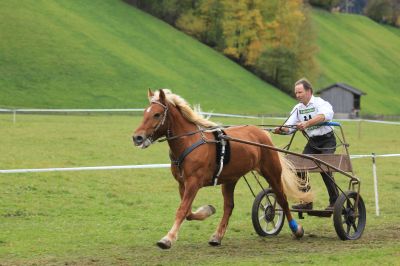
(362, 53)
(105, 54)
(115, 217)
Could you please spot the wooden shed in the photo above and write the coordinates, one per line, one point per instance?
(345, 100)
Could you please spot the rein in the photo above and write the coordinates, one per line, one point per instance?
(186, 134)
(169, 137)
(198, 131)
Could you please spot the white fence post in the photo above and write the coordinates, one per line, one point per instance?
(14, 116)
(375, 184)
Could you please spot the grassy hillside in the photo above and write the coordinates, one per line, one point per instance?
(81, 54)
(105, 54)
(393, 29)
(357, 51)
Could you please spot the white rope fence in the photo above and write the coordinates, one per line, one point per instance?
(41, 111)
(374, 156)
(85, 168)
(150, 166)
(139, 166)
(15, 111)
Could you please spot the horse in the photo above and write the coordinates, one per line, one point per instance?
(191, 140)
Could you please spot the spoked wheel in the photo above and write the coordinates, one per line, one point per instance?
(267, 215)
(349, 219)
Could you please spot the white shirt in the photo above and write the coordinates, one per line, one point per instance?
(315, 106)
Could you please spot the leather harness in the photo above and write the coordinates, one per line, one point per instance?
(222, 152)
(222, 145)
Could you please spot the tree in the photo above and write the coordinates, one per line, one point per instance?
(273, 38)
(291, 48)
(384, 11)
(378, 10)
(325, 4)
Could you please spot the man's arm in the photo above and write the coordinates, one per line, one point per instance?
(292, 120)
(312, 122)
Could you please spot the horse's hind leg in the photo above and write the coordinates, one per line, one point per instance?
(201, 213)
(228, 193)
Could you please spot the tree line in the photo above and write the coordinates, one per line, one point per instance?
(382, 11)
(274, 39)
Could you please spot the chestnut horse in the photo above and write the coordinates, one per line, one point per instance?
(170, 116)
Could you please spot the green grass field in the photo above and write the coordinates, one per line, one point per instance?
(105, 54)
(115, 217)
(362, 53)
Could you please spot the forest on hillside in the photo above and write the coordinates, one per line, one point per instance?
(274, 39)
(382, 11)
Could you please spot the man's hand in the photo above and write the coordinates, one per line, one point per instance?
(279, 130)
(302, 125)
(315, 121)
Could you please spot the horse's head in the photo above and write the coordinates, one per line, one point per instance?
(154, 124)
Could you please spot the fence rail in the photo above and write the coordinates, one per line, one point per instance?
(260, 116)
(139, 166)
(149, 166)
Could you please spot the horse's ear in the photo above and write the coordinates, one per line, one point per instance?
(162, 97)
(150, 94)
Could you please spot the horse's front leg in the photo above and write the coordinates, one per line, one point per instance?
(228, 193)
(191, 187)
(201, 213)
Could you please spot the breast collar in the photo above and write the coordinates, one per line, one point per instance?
(222, 153)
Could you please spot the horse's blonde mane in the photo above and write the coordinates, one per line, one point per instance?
(192, 115)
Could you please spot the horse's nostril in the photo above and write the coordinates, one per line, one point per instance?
(138, 139)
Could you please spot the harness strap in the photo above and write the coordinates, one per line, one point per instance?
(164, 116)
(186, 152)
(220, 165)
(223, 156)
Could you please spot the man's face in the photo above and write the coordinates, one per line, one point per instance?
(302, 95)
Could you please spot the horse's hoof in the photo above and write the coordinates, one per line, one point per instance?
(164, 243)
(300, 232)
(214, 241)
(212, 209)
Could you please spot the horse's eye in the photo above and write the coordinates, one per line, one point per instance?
(157, 116)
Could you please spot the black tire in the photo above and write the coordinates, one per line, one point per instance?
(267, 216)
(348, 226)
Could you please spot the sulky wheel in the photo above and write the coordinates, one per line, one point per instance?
(267, 215)
(348, 224)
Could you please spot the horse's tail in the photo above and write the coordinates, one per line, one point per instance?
(294, 186)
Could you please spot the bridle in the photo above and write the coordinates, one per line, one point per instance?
(164, 115)
(169, 135)
(169, 132)
(162, 121)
